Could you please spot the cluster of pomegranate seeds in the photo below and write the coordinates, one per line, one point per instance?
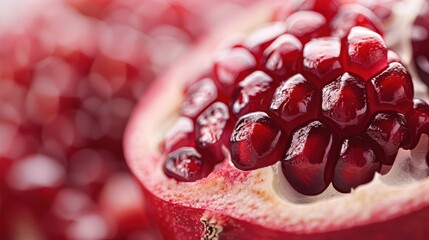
(321, 94)
(70, 74)
(420, 41)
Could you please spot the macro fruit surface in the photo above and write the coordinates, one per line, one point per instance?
(312, 124)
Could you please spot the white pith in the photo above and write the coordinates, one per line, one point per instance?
(262, 196)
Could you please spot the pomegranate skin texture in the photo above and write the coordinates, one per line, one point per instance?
(180, 222)
(392, 202)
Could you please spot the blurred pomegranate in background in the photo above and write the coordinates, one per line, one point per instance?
(70, 74)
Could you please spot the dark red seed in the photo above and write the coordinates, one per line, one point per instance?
(295, 101)
(420, 40)
(356, 165)
(327, 8)
(389, 130)
(366, 52)
(198, 97)
(180, 135)
(232, 66)
(322, 59)
(252, 94)
(284, 55)
(213, 131)
(392, 89)
(309, 161)
(187, 165)
(306, 25)
(259, 40)
(418, 121)
(344, 104)
(422, 63)
(351, 15)
(256, 142)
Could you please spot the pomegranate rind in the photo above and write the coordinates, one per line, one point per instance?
(246, 205)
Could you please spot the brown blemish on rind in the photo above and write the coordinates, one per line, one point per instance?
(212, 229)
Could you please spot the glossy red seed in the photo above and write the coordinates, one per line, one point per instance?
(180, 135)
(322, 59)
(351, 15)
(366, 52)
(186, 164)
(198, 97)
(252, 94)
(212, 131)
(344, 105)
(309, 161)
(422, 63)
(306, 25)
(419, 40)
(259, 40)
(295, 101)
(356, 165)
(230, 67)
(283, 56)
(390, 131)
(392, 89)
(328, 8)
(418, 121)
(256, 142)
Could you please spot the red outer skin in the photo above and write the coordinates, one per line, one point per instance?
(180, 222)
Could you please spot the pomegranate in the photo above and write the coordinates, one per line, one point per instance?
(311, 130)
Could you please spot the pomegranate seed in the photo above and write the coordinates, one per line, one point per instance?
(351, 15)
(251, 93)
(328, 8)
(366, 52)
(393, 89)
(389, 130)
(186, 164)
(256, 142)
(419, 40)
(283, 56)
(418, 121)
(344, 104)
(212, 131)
(295, 101)
(309, 161)
(180, 135)
(259, 40)
(306, 24)
(322, 59)
(198, 97)
(231, 67)
(356, 165)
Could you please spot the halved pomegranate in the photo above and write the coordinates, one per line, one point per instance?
(311, 132)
